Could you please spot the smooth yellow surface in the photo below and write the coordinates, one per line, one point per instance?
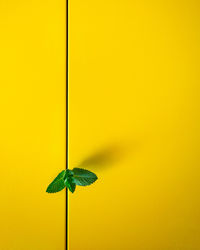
(32, 127)
(134, 87)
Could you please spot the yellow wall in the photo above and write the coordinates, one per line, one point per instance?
(134, 90)
(32, 126)
(134, 95)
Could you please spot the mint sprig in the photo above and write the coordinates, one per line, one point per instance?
(70, 178)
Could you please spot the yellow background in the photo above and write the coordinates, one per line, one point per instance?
(134, 93)
(134, 90)
(32, 127)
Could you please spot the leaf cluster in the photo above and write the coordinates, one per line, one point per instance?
(70, 178)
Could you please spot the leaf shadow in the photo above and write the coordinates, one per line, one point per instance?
(108, 156)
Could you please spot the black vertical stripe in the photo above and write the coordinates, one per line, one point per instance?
(67, 98)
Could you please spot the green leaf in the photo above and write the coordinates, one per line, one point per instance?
(58, 183)
(70, 184)
(69, 172)
(83, 177)
(69, 181)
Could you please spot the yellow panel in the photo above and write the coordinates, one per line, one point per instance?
(134, 93)
(32, 127)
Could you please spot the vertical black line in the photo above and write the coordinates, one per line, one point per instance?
(67, 122)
